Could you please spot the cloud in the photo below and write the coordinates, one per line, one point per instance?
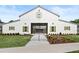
(69, 13)
(8, 13)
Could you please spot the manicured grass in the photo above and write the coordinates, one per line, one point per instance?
(75, 38)
(13, 40)
(72, 37)
(77, 51)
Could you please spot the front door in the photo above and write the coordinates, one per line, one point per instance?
(38, 28)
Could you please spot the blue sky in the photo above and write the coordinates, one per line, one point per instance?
(12, 12)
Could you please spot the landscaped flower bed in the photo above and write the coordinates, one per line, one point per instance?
(54, 39)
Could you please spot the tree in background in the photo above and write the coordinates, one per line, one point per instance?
(75, 21)
(11, 21)
(1, 21)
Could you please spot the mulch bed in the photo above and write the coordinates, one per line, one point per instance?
(55, 39)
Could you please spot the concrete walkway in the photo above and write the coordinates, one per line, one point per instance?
(37, 45)
(37, 39)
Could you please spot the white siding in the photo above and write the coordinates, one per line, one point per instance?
(6, 27)
(60, 28)
(30, 17)
(46, 16)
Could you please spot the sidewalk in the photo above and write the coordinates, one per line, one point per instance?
(43, 48)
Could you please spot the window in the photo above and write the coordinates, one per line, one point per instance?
(38, 14)
(53, 29)
(66, 27)
(77, 28)
(25, 29)
(0, 28)
(11, 28)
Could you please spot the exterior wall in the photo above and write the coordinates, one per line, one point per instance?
(25, 23)
(60, 28)
(6, 27)
(46, 17)
(73, 28)
(77, 28)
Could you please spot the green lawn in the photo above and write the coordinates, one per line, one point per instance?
(75, 38)
(72, 37)
(13, 40)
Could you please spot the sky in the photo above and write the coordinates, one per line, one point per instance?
(12, 12)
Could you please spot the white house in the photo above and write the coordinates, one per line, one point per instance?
(39, 20)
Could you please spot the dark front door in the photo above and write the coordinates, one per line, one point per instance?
(39, 28)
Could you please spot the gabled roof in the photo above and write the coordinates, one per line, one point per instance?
(13, 21)
(40, 7)
(66, 21)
